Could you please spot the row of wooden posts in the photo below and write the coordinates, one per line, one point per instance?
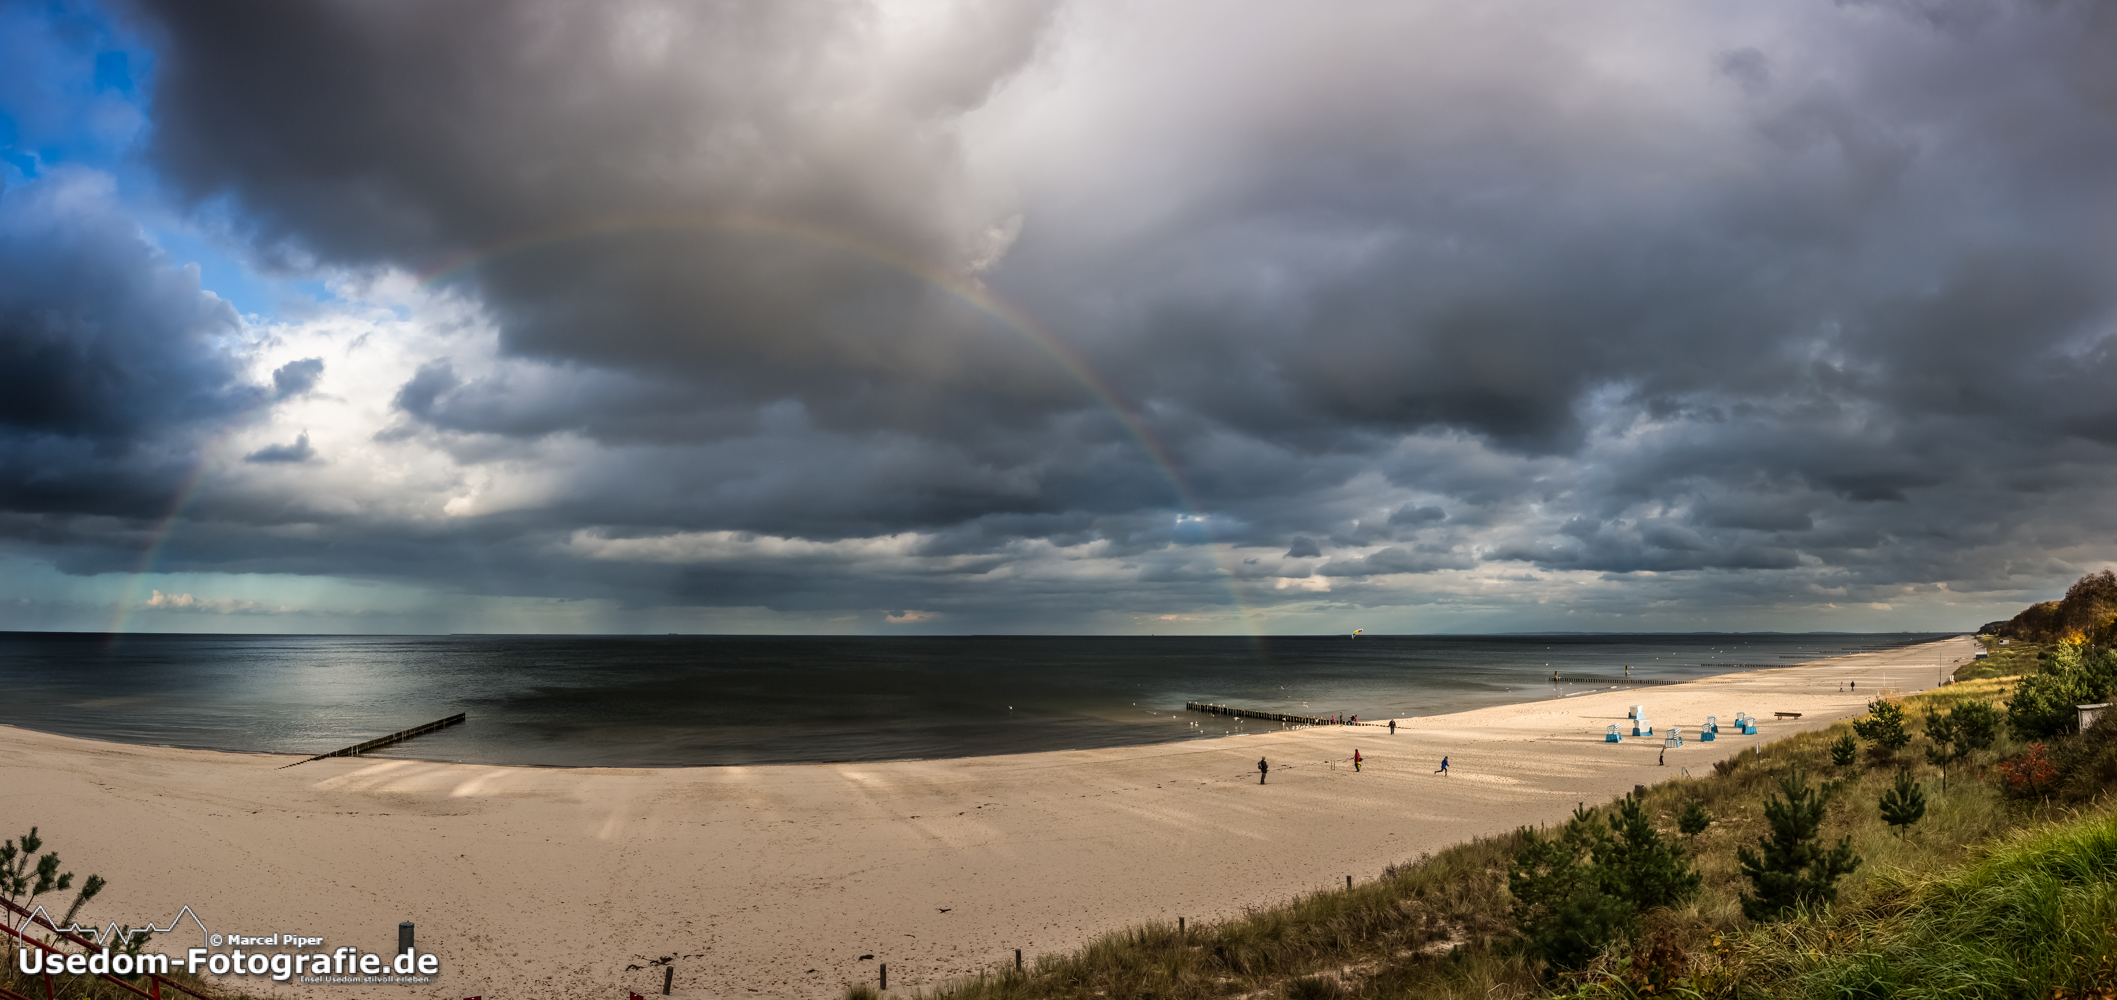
(1249, 713)
(382, 741)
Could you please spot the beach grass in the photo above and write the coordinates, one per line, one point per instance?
(1981, 889)
(2011, 660)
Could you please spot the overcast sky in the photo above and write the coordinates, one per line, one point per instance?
(1071, 316)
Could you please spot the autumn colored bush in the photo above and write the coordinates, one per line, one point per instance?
(2030, 773)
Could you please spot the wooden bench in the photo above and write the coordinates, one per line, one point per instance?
(1786, 715)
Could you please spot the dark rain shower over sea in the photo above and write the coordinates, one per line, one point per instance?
(657, 701)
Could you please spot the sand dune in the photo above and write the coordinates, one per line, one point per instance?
(775, 881)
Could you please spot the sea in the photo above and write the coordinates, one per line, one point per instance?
(692, 700)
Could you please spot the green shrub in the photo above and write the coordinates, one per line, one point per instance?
(2087, 764)
(1793, 871)
(1651, 870)
(1903, 803)
(1577, 892)
(2042, 706)
(1694, 819)
(1562, 907)
(2044, 703)
(1968, 728)
(1976, 725)
(1845, 751)
(1884, 728)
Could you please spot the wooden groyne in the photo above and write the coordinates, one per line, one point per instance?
(1248, 713)
(1616, 681)
(382, 741)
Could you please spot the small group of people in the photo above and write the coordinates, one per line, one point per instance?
(1264, 767)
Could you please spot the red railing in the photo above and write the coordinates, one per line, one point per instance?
(16, 913)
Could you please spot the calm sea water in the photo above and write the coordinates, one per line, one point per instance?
(686, 700)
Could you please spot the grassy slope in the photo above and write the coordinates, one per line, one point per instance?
(2011, 660)
(2034, 915)
(1437, 927)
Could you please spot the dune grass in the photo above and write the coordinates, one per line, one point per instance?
(2011, 660)
(1439, 927)
(1448, 904)
(2034, 917)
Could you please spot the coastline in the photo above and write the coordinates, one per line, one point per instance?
(754, 875)
(638, 701)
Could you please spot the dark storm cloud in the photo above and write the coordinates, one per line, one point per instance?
(746, 193)
(1409, 514)
(1813, 298)
(101, 337)
(284, 454)
(110, 355)
(296, 377)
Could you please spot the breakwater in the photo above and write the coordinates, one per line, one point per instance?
(1250, 713)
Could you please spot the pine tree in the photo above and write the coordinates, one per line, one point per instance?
(1640, 864)
(21, 884)
(1562, 906)
(1903, 804)
(1977, 725)
(1884, 727)
(1845, 752)
(1794, 869)
(1947, 748)
(1694, 820)
(1576, 892)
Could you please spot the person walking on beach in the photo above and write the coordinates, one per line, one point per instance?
(1444, 768)
(1392, 727)
(1262, 770)
(1356, 761)
(1664, 756)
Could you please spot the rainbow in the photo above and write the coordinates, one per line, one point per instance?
(963, 289)
(165, 528)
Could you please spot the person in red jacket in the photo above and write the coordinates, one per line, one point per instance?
(1356, 760)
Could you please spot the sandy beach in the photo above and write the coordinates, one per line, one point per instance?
(776, 881)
